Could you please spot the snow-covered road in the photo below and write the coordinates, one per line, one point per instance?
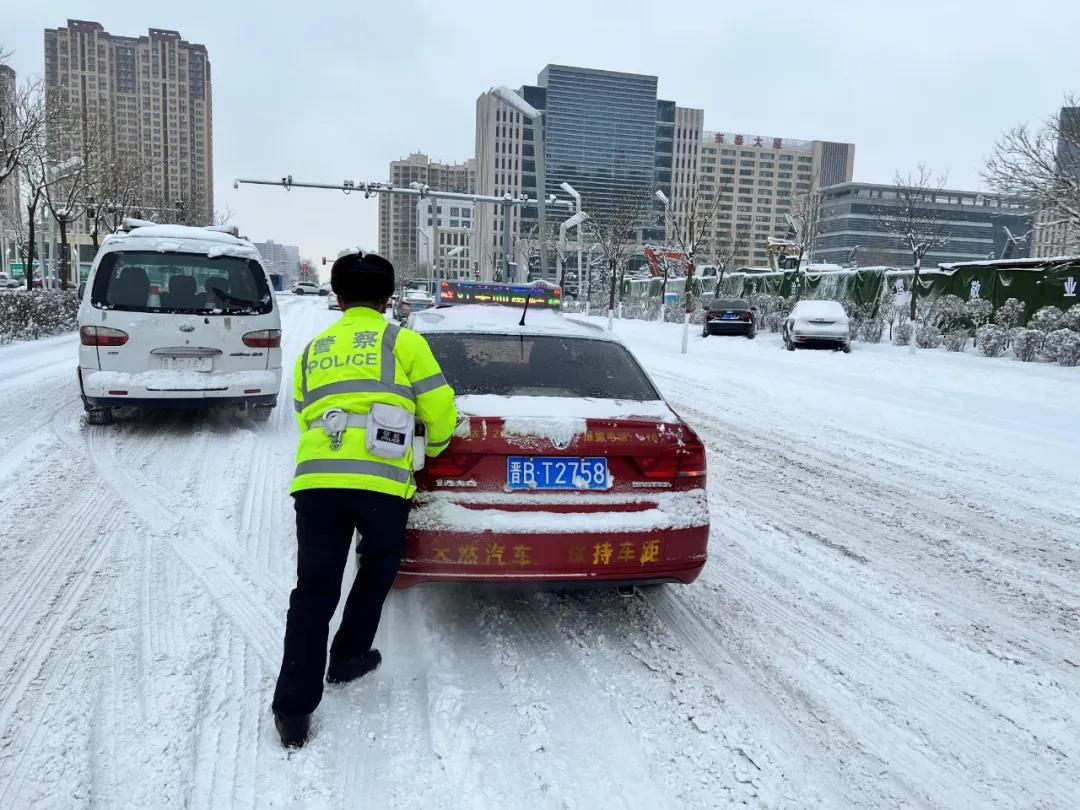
(890, 614)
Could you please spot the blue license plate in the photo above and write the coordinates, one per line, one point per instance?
(729, 316)
(556, 472)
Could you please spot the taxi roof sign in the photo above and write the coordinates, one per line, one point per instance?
(541, 295)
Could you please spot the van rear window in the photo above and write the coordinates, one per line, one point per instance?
(181, 283)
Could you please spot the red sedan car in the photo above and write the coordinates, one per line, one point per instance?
(567, 465)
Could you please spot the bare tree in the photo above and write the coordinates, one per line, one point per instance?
(804, 226)
(1043, 165)
(119, 189)
(21, 124)
(727, 248)
(76, 146)
(915, 221)
(616, 234)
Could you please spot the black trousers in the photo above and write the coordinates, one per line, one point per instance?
(325, 520)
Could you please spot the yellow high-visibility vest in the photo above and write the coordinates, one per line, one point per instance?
(358, 362)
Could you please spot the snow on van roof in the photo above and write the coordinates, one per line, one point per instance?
(183, 239)
(504, 320)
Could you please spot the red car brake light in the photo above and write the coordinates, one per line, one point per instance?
(102, 336)
(449, 465)
(263, 339)
(686, 461)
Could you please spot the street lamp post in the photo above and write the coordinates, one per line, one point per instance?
(575, 220)
(569, 189)
(663, 198)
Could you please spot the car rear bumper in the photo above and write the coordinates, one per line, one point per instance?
(178, 389)
(820, 340)
(728, 327)
(616, 558)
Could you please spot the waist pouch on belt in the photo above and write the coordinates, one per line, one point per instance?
(389, 431)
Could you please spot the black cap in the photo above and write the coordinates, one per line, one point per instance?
(361, 276)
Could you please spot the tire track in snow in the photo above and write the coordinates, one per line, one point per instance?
(235, 594)
(46, 662)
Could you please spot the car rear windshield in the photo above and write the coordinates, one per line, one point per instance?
(729, 303)
(181, 282)
(524, 365)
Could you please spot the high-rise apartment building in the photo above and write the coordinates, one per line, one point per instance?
(153, 95)
(451, 241)
(278, 258)
(748, 181)
(398, 218)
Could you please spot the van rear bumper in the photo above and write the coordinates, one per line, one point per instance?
(102, 389)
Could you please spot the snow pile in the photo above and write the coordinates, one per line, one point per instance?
(444, 511)
(37, 314)
(162, 380)
(562, 408)
(560, 431)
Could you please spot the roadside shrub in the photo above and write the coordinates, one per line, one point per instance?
(1027, 343)
(956, 341)
(977, 312)
(1046, 319)
(1071, 318)
(902, 333)
(992, 339)
(1008, 314)
(37, 314)
(873, 329)
(1063, 345)
(927, 336)
(948, 313)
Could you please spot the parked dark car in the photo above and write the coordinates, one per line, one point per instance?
(729, 316)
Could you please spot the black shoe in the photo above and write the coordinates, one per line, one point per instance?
(293, 729)
(343, 670)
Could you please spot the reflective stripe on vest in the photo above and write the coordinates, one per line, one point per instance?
(443, 443)
(429, 384)
(351, 466)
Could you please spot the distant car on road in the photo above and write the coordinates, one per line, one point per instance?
(818, 323)
(729, 316)
(412, 301)
(332, 302)
(9, 283)
(306, 288)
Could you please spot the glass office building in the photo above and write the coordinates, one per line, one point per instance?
(607, 135)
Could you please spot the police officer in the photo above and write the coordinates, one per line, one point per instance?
(361, 390)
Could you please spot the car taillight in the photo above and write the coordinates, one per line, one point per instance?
(686, 462)
(102, 336)
(263, 339)
(713, 315)
(744, 316)
(449, 465)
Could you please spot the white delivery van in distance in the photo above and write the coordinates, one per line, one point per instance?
(177, 316)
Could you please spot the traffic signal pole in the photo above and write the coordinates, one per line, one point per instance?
(374, 189)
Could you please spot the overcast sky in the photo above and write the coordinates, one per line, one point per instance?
(334, 90)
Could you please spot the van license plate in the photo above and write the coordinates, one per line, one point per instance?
(187, 363)
(556, 472)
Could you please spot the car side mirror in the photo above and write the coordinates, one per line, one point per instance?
(82, 289)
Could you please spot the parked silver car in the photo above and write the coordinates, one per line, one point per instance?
(818, 323)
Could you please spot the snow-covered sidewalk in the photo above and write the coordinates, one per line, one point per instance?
(890, 614)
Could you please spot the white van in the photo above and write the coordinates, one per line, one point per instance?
(175, 316)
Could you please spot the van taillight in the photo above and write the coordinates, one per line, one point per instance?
(263, 339)
(102, 336)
